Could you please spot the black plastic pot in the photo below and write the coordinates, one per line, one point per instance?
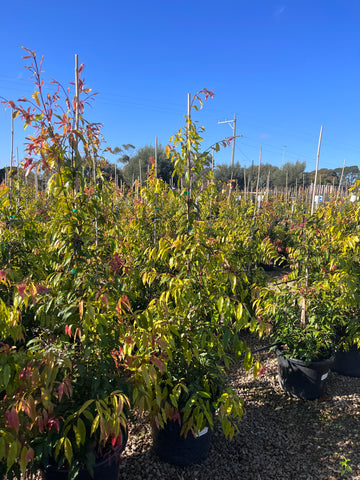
(172, 448)
(347, 362)
(301, 380)
(106, 469)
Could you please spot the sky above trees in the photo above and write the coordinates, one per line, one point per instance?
(283, 67)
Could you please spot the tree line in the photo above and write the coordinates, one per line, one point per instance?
(133, 164)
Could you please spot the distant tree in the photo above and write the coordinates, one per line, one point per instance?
(223, 173)
(290, 175)
(327, 177)
(269, 173)
(138, 165)
(2, 174)
(351, 174)
(123, 152)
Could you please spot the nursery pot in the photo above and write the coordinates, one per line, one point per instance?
(301, 380)
(104, 469)
(172, 448)
(347, 362)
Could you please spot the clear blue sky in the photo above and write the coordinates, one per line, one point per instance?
(284, 67)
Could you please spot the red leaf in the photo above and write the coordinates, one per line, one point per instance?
(68, 330)
(12, 418)
(53, 422)
(61, 391)
(28, 163)
(105, 300)
(29, 455)
(21, 289)
(158, 363)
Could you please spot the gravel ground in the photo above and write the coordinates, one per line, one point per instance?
(280, 438)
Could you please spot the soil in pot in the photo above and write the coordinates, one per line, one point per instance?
(347, 362)
(172, 448)
(301, 380)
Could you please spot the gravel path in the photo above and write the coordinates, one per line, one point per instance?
(280, 438)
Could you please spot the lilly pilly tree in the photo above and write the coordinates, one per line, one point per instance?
(187, 157)
(72, 323)
(63, 142)
(196, 315)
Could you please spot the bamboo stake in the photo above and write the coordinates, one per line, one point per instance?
(188, 158)
(11, 156)
(155, 202)
(76, 91)
(316, 171)
(341, 177)
(257, 182)
(267, 185)
(76, 124)
(18, 177)
(244, 183)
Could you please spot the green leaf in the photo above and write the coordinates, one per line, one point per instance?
(7, 374)
(13, 452)
(68, 450)
(85, 406)
(248, 360)
(220, 304)
(95, 424)
(82, 430)
(2, 447)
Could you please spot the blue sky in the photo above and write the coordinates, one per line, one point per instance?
(284, 67)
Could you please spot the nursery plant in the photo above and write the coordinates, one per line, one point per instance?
(184, 340)
(64, 391)
(303, 310)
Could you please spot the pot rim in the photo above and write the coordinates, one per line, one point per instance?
(298, 361)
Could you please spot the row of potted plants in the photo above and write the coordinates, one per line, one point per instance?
(312, 313)
(113, 303)
(106, 310)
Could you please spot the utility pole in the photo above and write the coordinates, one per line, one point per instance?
(233, 140)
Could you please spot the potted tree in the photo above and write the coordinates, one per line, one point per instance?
(300, 312)
(345, 264)
(183, 341)
(64, 391)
